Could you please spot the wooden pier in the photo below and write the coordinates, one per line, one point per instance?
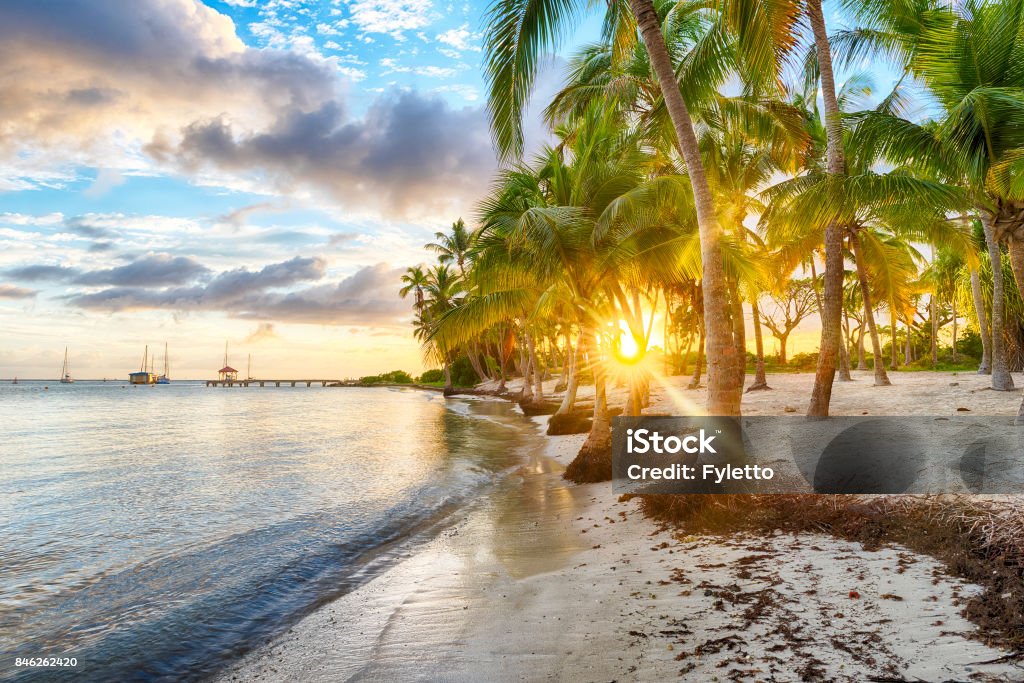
(272, 382)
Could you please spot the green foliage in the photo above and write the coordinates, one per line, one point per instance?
(393, 377)
(431, 376)
(463, 374)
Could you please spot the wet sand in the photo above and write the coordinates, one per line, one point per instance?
(547, 581)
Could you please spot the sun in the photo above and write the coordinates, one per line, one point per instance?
(626, 350)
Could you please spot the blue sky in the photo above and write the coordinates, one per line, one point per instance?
(258, 172)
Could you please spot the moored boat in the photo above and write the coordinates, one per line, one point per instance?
(65, 373)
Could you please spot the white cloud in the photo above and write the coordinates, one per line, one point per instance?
(353, 74)
(468, 92)
(390, 17)
(460, 38)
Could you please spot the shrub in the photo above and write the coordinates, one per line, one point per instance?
(393, 377)
(431, 376)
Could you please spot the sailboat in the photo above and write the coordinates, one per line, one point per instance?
(248, 374)
(65, 373)
(166, 377)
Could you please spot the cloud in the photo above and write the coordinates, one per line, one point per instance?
(12, 292)
(263, 332)
(106, 180)
(149, 271)
(89, 76)
(410, 154)
(390, 17)
(40, 273)
(240, 217)
(366, 297)
(84, 82)
(459, 38)
(152, 270)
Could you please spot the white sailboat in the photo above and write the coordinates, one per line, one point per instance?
(166, 377)
(65, 373)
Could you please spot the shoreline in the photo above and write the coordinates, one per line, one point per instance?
(576, 585)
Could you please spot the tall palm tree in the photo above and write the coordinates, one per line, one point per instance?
(967, 55)
(414, 280)
(454, 247)
(521, 31)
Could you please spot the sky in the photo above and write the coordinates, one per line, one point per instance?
(243, 171)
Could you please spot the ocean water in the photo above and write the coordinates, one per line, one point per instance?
(156, 532)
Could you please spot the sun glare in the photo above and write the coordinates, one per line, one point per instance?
(628, 351)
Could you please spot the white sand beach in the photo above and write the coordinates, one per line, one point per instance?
(544, 580)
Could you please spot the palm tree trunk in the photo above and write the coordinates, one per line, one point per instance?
(739, 331)
(908, 350)
(538, 383)
(1016, 249)
(881, 378)
(1002, 380)
(569, 400)
(983, 327)
(724, 394)
(844, 349)
(448, 389)
(760, 380)
(686, 355)
(933, 311)
(832, 306)
(474, 361)
(862, 363)
(895, 354)
(594, 461)
(953, 304)
(695, 380)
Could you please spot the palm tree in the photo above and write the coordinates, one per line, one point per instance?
(967, 55)
(520, 31)
(832, 304)
(442, 293)
(414, 280)
(454, 247)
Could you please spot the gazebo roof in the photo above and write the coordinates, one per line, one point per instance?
(227, 368)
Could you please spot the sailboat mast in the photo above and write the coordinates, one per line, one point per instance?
(166, 364)
(248, 373)
(145, 357)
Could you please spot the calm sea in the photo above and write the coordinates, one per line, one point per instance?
(155, 532)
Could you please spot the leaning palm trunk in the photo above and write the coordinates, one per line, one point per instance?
(1002, 380)
(724, 394)
(832, 306)
(760, 380)
(934, 312)
(538, 378)
(472, 353)
(594, 461)
(983, 327)
(569, 400)
(881, 378)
